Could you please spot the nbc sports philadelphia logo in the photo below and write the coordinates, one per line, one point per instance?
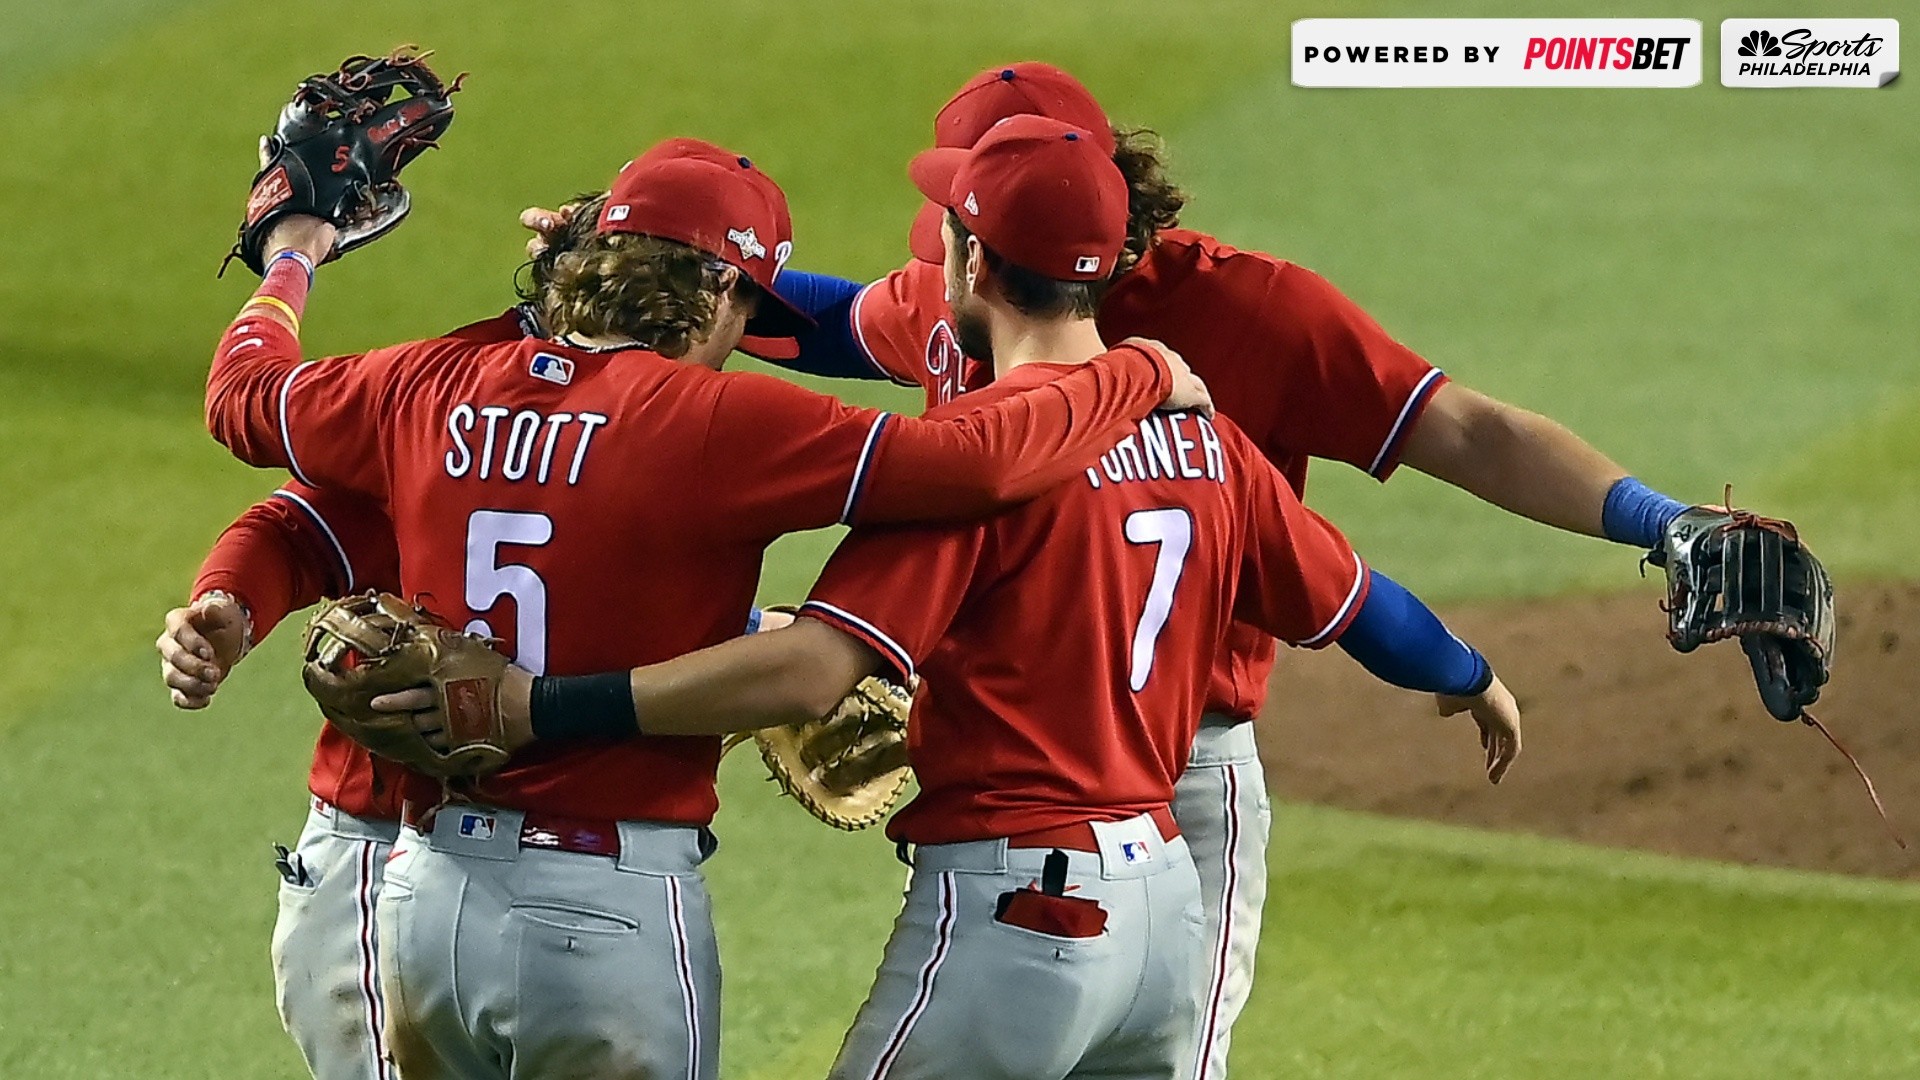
(1809, 52)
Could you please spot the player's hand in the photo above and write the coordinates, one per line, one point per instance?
(310, 236)
(1189, 393)
(515, 694)
(1499, 718)
(546, 224)
(199, 647)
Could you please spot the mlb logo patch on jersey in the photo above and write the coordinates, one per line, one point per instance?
(555, 369)
(1135, 851)
(480, 826)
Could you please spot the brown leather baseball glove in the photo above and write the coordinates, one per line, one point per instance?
(360, 647)
(848, 768)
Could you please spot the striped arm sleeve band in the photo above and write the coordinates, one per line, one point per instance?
(863, 467)
(1390, 450)
(1348, 608)
(874, 637)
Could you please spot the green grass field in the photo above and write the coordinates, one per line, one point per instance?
(1697, 280)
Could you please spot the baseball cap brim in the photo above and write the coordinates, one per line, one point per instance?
(932, 171)
(775, 349)
(927, 240)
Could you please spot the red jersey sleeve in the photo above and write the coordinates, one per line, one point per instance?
(898, 588)
(785, 459)
(1300, 579)
(1343, 389)
(322, 420)
(298, 546)
(892, 318)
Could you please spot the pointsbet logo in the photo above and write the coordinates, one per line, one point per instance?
(1809, 52)
(1497, 52)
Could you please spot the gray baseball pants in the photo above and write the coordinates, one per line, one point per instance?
(504, 962)
(325, 955)
(1226, 817)
(963, 993)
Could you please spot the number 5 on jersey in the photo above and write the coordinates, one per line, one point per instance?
(489, 579)
(1171, 530)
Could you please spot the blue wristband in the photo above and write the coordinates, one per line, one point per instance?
(754, 617)
(299, 257)
(1636, 514)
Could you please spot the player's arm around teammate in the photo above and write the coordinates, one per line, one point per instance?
(289, 550)
(1048, 599)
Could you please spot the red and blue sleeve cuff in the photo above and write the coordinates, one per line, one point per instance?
(866, 632)
(1388, 459)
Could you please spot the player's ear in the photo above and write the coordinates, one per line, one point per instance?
(976, 267)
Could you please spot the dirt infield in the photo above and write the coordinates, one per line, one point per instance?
(1627, 742)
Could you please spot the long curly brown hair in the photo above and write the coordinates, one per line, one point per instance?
(1153, 201)
(659, 293)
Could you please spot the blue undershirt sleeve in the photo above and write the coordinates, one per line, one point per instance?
(1401, 641)
(1636, 514)
(830, 349)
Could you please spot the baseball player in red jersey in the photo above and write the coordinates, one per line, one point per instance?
(1297, 365)
(290, 550)
(1053, 925)
(558, 493)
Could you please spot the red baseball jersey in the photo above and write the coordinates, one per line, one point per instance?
(602, 510)
(304, 544)
(1300, 368)
(296, 547)
(1066, 645)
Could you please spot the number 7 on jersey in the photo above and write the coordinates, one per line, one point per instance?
(1171, 530)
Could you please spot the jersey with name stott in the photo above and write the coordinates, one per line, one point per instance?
(1066, 645)
(596, 511)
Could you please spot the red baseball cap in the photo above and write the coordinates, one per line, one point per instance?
(1040, 192)
(1028, 87)
(713, 200)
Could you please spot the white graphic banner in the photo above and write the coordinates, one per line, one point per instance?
(1496, 52)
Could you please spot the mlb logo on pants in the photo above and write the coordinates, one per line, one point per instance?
(1135, 851)
(480, 826)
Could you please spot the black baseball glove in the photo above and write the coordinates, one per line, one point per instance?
(1731, 573)
(338, 149)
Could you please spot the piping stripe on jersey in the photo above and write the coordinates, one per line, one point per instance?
(1211, 1033)
(689, 992)
(942, 944)
(339, 549)
(860, 335)
(861, 467)
(286, 436)
(864, 630)
(1427, 384)
(1339, 619)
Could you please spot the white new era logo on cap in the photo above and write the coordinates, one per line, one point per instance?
(972, 206)
(1086, 264)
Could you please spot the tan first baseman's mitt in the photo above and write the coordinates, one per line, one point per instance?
(850, 767)
(360, 647)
